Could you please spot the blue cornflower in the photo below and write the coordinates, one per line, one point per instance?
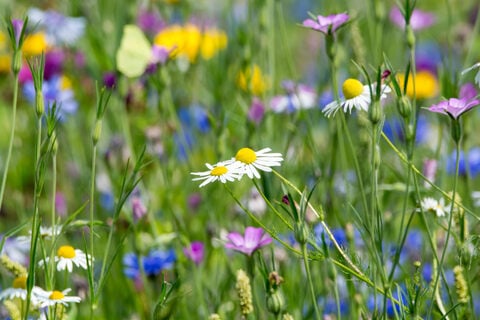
(393, 129)
(153, 263)
(472, 161)
(57, 89)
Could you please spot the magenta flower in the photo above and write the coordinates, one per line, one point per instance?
(418, 20)
(195, 252)
(256, 111)
(254, 239)
(454, 107)
(328, 24)
(468, 91)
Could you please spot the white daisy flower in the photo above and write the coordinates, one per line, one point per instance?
(19, 290)
(44, 233)
(51, 298)
(67, 256)
(223, 171)
(253, 160)
(356, 95)
(433, 205)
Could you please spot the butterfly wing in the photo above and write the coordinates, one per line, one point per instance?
(135, 52)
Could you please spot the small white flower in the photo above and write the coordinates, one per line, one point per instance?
(222, 171)
(261, 160)
(67, 256)
(51, 298)
(44, 233)
(433, 205)
(356, 95)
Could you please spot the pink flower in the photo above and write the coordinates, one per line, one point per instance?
(418, 20)
(195, 252)
(254, 239)
(454, 107)
(328, 24)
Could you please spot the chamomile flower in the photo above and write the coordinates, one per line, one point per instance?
(51, 298)
(19, 291)
(433, 205)
(262, 160)
(356, 95)
(67, 256)
(223, 171)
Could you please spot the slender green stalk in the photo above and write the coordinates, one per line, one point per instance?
(92, 233)
(51, 283)
(288, 224)
(310, 280)
(12, 135)
(39, 168)
(450, 219)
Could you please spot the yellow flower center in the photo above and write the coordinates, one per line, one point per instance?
(20, 282)
(246, 155)
(56, 295)
(352, 88)
(218, 171)
(66, 252)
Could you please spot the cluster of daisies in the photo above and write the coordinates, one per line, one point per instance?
(65, 259)
(246, 162)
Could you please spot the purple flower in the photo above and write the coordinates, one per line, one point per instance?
(110, 80)
(254, 239)
(454, 107)
(418, 20)
(150, 21)
(257, 111)
(17, 28)
(195, 252)
(468, 91)
(138, 208)
(327, 25)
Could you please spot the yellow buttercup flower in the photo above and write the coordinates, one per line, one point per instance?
(35, 44)
(3, 41)
(180, 40)
(213, 41)
(426, 85)
(252, 80)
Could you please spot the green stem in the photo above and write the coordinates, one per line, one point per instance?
(12, 135)
(53, 222)
(310, 281)
(36, 216)
(92, 213)
(450, 219)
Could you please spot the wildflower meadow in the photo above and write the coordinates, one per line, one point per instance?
(240, 159)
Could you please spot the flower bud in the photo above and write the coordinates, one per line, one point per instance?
(375, 112)
(97, 131)
(456, 130)
(301, 232)
(275, 302)
(410, 36)
(39, 103)
(17, 62)
(404, 107)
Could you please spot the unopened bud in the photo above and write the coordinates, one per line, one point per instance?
(375, 112)
(410, 36)
(404, 107)
(275, 302)
(97, 131)
(39, 103)
(301, 232)
(17, 62)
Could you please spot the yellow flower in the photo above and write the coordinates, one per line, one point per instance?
(252, 80)
(426, 85)
(180, 40)
(65, 83)
(3, 41)
(213, 41)
(5, 63)
(34, 44)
